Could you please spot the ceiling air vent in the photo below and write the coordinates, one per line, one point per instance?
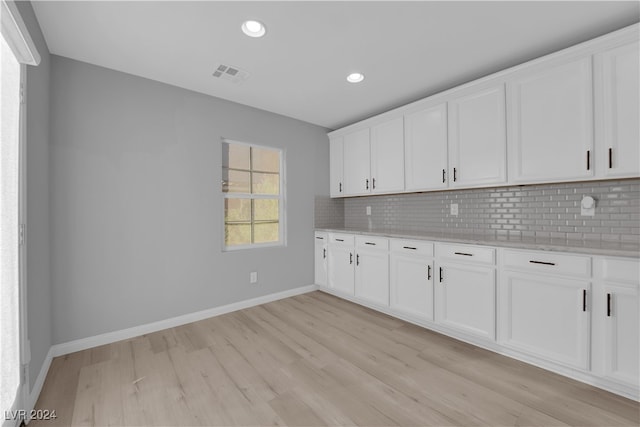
(231, 73)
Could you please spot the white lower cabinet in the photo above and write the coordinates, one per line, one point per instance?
(544, 305)
(411, 279)
(545, 316)
(570, 313)
(372, 270)
(321, 263)
(616, 346)
(341, 262)
(465, 289)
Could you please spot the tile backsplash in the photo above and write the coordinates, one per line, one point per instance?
(547, 210)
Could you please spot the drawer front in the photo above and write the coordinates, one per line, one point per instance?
(321, 235)
(619, 270)
(416, 247)
(372, 242)
(548, 262)
(466, 253)
(341, 239)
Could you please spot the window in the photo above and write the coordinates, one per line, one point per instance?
(252, 184)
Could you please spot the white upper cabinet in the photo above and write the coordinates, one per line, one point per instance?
(551, 123)
(617, 91)
(336, 167)
(387, 156)
(357, 171)
(477, 138)
(425, 149)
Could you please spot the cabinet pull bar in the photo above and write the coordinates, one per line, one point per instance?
(319, 238)
(454, 175)
(367, 183)
(588, 159)
(324, 253)
(608, 305)
(373, 183)
(428, 272)
(610, 158)
(584, 300)
(443, 172)
(542, 262)
(358, 259)
(441, 277)
(350, 258)
(339, 240)
(463, 253)
(369, 243)
(340, 188)
(409, 247)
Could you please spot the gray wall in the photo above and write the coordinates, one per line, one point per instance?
(38, 254)
(549, 210)
(136, 203)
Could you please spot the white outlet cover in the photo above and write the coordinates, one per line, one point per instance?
(454, 209)
(588, 206)
(253, 277)
(368, 210)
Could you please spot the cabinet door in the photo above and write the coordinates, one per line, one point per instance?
(336, 167)
(425, 149)
(387, 156)
(465, 299)
(341, 263)
(546, 317)
(357, 172)
(622, 332)
(617, 111)
(321, 271)
(372, 276)
(411, 285)
(477, 138)
(551, 124)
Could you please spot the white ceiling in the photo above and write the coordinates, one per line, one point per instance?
(407, 50)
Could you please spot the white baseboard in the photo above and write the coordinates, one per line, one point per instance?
(111, 337)
(37, 386)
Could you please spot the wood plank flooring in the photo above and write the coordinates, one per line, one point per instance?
(314, 360)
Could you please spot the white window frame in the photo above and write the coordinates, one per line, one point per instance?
(282, 211)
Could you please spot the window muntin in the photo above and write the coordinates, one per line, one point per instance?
(252, 178)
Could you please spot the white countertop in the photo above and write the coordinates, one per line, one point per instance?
(591, 247)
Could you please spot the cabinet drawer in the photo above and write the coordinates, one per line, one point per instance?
(546, 262)
(341, 239)
(466, 253)
(417, 247)
(620, 270)
(371, 242)
(321, 235)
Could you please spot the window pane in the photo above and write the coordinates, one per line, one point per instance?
(237, 210)
(235, 156)
(265, 160)
(237, 234)
(266, 183)
(265, 232)
(235, 181)
(265, 209)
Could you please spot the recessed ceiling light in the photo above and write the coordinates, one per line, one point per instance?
(355, 77)
(253, 28)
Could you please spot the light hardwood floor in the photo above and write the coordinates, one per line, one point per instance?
(314, 360)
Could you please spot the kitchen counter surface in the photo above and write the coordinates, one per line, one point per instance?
(590, 247)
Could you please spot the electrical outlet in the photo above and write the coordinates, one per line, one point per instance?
(253, 277)
(454, 209)
(368, 210)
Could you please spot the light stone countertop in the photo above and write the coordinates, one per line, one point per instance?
(590, 247)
